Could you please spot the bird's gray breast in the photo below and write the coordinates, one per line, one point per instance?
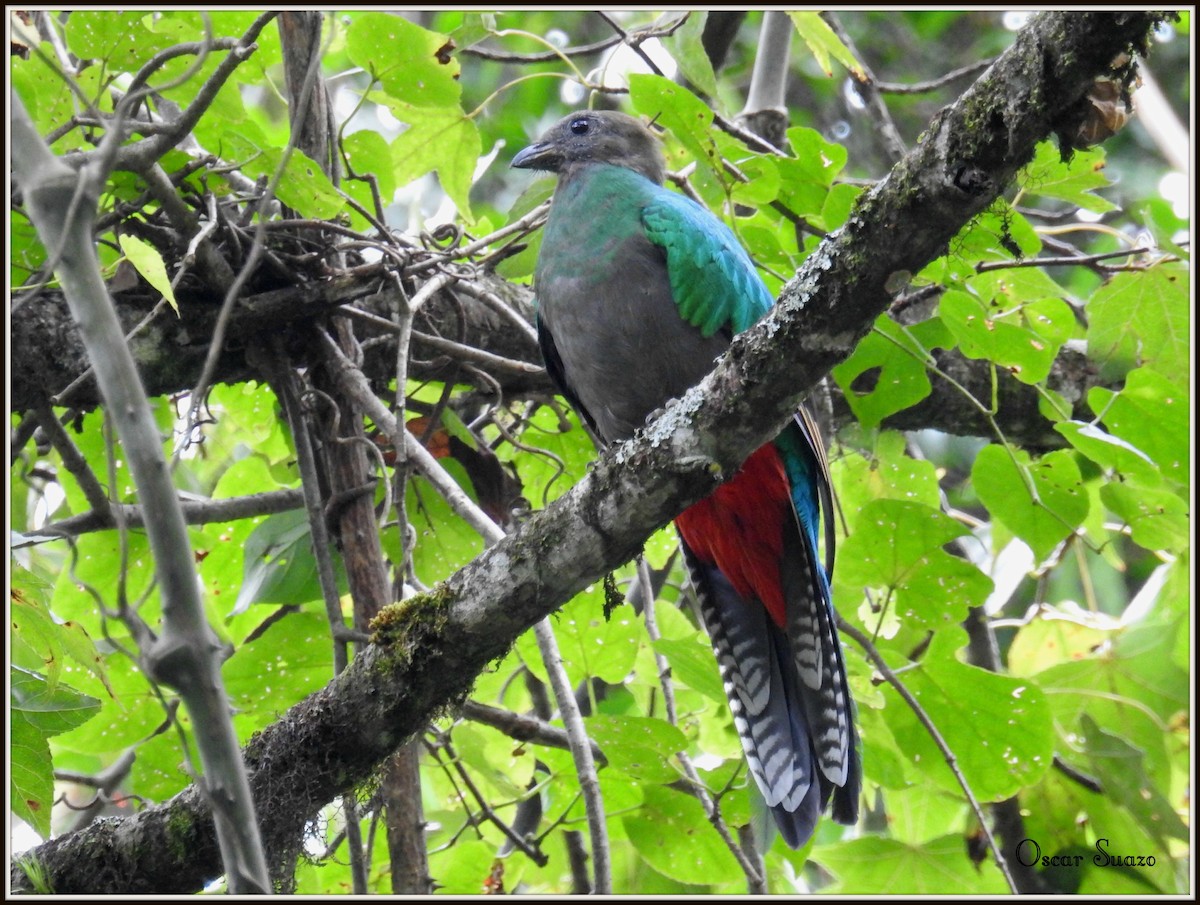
(624, 348)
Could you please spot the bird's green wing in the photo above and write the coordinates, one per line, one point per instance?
(712, 278)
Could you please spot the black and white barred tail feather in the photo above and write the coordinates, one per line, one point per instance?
(787, 692)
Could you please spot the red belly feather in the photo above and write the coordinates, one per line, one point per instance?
(739, 529)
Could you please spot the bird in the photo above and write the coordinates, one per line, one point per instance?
(638, 290)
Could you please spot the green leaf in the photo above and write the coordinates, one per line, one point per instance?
(641, 747)
(693, 664)
(1119, 767)
(149, 263)
(119, 39)
(886, 374)
(885, 472)
(50, 710)
(441, 139)
(824, 43)
(303, 187)
(474, 28)
(1111, 452)
(806, 180)
(590, 645)
(1130, 685)
(899, 545)
(1022, 338)
(927, 870)
(370, 155)
(1142, 318)
(494, 759)
(279, 565)
(415, 66)
(999, 728)
(671, 833)
(444, 541)
(291, 659)
(685, 48)
(1074, 181)
(44, 644)
(1062, 504)
(1167, 229)
(1000, 233)
(687, 117)
(1157, 519)
(1151, 414)
(30, 777)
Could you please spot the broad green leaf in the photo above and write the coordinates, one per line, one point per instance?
(687, 117)
(1142, 318)
(763, 183)
(474, 28)
(672, 834)
(1000, 233)
(149, 263)
(927, 870)
(30, 777)
(370, 155)
(642, 748)
(50, 103)
(1057, 635)
(462, 869)
(50, 710)
(444, 541)
(568, 450)
(1131, 686)
(1157, 519)
(1061, 502)
(1049, 176)
(1111, 452)
(824, 43)
(590, 645)
(494, 760)
(886, 374)
(899, 545)
(1150, 413)
(291, 659)
(120, 40)
(838, 204)
(279, 565)
(415, 66)
(998, 727)
(685, 48)
(44, 644)
(1024, 338)
(806, 179)
(303, 187)
(693, 664)
(1119, 767)
(886, 471)
(1165, 226)
(441, 139)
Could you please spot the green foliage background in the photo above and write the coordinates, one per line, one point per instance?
(1092, 621)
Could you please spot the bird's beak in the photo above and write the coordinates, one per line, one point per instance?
(539, 156)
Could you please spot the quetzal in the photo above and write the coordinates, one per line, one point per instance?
(638, 291)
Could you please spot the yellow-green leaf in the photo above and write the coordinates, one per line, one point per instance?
(824, 44)
(150, 265)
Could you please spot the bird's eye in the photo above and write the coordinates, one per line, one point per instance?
(580, 126)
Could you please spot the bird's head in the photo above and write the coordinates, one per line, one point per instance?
(595, 136)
